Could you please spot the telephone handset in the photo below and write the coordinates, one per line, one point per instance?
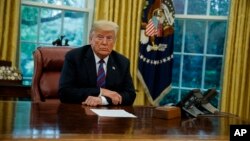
(204, 103)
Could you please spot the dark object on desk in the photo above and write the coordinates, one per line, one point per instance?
(167, 112)
(48, 62)
(196, 103)
(204, 103)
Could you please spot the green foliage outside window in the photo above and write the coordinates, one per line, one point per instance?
(41, 25)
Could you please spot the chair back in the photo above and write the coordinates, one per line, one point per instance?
(48, 63)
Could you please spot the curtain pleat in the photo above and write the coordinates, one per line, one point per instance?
(127, 14)
(9, 30)
(7, 111)
(236, 87)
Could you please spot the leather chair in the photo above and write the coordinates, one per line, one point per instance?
(48, 62)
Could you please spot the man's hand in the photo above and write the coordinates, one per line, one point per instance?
(92, 101)
(114, 96)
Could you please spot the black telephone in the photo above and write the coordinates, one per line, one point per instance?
(196, 103)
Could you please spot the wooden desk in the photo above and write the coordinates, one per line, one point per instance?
(27, 121)
(15, 90)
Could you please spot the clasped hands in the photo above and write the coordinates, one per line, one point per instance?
(95, 101)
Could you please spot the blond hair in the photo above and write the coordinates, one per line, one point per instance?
(104, 25)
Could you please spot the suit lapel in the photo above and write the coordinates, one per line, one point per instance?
(112, 72)
(91, 66)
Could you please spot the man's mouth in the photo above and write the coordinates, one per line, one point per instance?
(103, 49)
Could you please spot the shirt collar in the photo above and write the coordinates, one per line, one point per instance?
(97, 59)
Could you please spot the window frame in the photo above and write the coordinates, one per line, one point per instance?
(89, 9)
(206, 18)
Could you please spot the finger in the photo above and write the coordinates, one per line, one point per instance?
(88, 101)
(85, 102)
(94, 103)
(114, 102)
(119, 99)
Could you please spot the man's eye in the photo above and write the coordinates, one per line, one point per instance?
(100, 37)
(109, 38)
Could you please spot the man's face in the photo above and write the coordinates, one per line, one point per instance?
(102, 42)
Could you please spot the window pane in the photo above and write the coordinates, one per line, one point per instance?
(171, 97)
(71, 3)
(195, 36)
(213, 72)
(216, 37)
(215, 101)
(219, 7)
(27, 59)
(50, 25)
(75, 33)
(197, 7)
(44, 45)
(176, 70)
(56, 2)
(184, 93)
(192, 71)
(33, 0)
(178, 33)
(179, 6)
(29, 23)
(75, 3)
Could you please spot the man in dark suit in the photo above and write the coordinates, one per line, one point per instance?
(78, 81)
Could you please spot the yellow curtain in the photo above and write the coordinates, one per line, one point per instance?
(236, 80)
(127, 14)
(7, 116)
(9, 29)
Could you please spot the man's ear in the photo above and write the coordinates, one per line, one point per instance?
(90, 39)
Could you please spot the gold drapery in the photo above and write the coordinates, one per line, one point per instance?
(9, 29)
(127, 14)
(236, 80)
(6, 116)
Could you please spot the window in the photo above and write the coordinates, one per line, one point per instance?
(200, 30)
(44, 21)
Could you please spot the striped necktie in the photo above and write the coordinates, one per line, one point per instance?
(101, 75)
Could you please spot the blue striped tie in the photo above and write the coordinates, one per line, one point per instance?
(101, 75)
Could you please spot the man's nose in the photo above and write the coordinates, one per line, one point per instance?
(105, 40)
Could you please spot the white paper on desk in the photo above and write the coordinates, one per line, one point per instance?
(112, 113)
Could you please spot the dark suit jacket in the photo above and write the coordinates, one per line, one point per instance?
(78, 77)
